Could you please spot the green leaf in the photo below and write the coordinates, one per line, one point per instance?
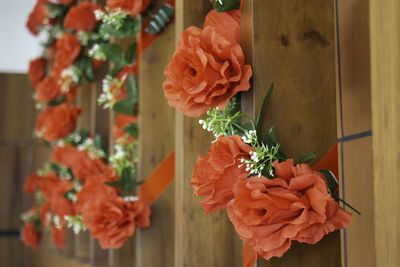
(99, 143)
(132, 130)
(270, 138)
(306, 158)
(58, 100)
(125, 106)
(114, 53)
(131, 53)
(131, 88)
(128, 179)
(86, 65)
(330, 179)
(84, 133)
(264, 103)
(116, 70)
(227, 5)
(338, 199)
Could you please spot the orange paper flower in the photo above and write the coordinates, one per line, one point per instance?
(270, 213)
(57, 122)
(30, 236)
(59, 237)
(226, 24)
(80, 162)
(32, 183)
(113, 221)
(81, 17)
(37, 17)
(206, 71)
(37, 70)
(133, 7)
(94, 190)
(54, 189)
(215, 174)
(68, 49)
(121, 122)
(47, 90)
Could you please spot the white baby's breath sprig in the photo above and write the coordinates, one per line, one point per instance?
(223, 122)
(125, 155)
(97, 53)
(261, 158)
(92, 149)
(115, 18)
(69, 77)
(110, 88)
(75, 223)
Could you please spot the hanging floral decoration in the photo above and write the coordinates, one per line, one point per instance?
(84, 187)
(271, 199)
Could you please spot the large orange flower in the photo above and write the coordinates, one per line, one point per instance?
(226, 24)
(80, 162)
(94, 190)
(113, 221)
(121, 122)
(270, 213)
(57, 122)
(68, 49)
(37, 17)
(47, 90)
(30, 236)
(133, 7)
(206, 71)
(54, 189)
(37, 70)
(215, 174)
(81, 17)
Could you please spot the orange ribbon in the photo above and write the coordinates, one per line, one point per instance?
(328, 162)
(158, 181)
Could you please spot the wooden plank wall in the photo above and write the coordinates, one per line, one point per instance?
(200, 240)
(385, 55)
(354, 117)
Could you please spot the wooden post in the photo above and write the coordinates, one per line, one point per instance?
(200, 240)
(354, 117)
(292, 45)
(156, 141)
(385, 68)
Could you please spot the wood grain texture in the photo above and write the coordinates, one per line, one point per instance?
(354, 89)
(200, 240)
(17, 117)
(17, 111)
(156, 141)
(353, 24)
(385, 69)
(293, 46)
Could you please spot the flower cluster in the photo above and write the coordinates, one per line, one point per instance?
(270, 200)
(81, 188)
(208, 66)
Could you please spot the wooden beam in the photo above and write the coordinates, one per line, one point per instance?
(200, 240)
(385, 78)
(292, 45)
(354, 117)
(156, 141)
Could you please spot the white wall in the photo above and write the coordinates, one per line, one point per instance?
(17, 45)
